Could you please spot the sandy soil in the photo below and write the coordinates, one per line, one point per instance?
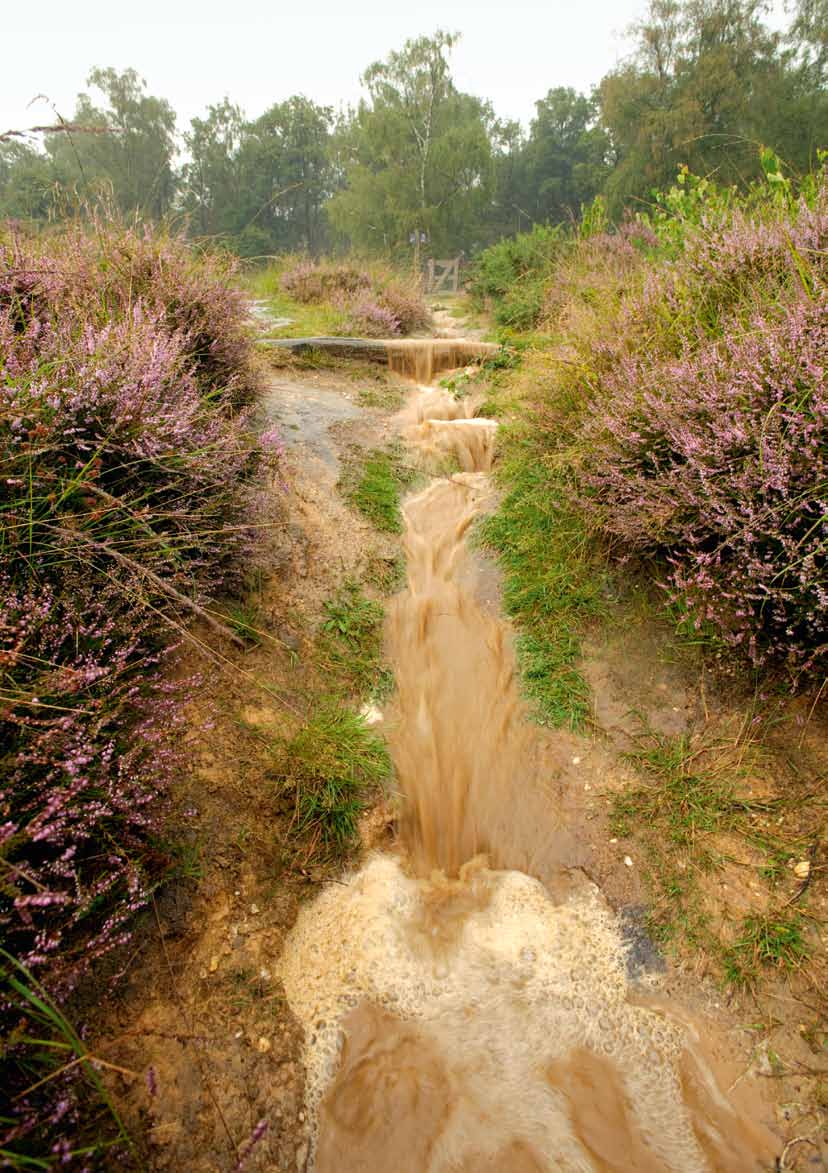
(199, 1019)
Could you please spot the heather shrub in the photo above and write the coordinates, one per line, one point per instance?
(405, 303)
(126, 502)
(95, 276)
(680, 400)
(368, 317)
(372, 299)
(310, 281)
(705, 442)
(718, 461)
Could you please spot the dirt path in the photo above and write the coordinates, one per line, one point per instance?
(229, 1004)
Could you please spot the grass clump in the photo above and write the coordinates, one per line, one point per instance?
(553, 585)
(350, 643)
(687, 814)
(373, 483)
(685, 800)
(330, 767)
(771, 940)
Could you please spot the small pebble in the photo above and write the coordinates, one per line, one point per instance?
(628, 861)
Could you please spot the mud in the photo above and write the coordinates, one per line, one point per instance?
(468, 999)
(459, 1013)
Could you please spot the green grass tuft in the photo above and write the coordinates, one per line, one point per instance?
(771, 940)
(553, 583)
(331, 765)
(350, 643)
(683, 813)
(373, 484)
(688, 802)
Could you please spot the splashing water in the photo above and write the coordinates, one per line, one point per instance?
(465, 1003)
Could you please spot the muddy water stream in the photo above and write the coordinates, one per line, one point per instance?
(465, 1000)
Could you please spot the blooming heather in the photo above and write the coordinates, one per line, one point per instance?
(127, 483)
(707, 441)
(375, 302)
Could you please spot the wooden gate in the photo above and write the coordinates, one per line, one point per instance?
(444, 276)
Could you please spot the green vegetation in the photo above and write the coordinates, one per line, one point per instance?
(765, 940)
(687, 802)
(513, 275)
(330, 767)
(333, 763)
(350, 643)
(417, 157)
(373, 483)
(420, 168)
(687, 813)
(306, 320)
(553, 581)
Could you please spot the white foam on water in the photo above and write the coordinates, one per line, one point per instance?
(525, 982)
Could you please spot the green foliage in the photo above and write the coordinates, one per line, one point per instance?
(260, 184)
(330, 767)
(512, 275)
(707, 84)
(351, 643)
(553, 582)
(565, 161)
(373, 484)
(133, 156)
(416, 157)
(420, 168)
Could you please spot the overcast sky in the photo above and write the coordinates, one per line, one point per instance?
(194, 52)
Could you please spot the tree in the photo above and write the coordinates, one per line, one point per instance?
(566, 158)
(28, 183)
(212, 180)
(286, 159)
(135, 161)
(261, 185)
(707, 84)
(417, 156)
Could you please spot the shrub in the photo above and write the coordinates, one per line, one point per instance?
(310, 281)
(512, 275)
(125, 500)
(371, 319)
(405, 303)
(708, 445)
(374, 301)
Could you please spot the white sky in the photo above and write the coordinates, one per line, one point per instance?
(256, 52)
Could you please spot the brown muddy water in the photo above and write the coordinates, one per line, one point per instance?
(465, 999)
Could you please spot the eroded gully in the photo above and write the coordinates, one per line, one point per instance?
(465, 999)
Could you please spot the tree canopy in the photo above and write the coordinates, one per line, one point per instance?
(419, 166)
